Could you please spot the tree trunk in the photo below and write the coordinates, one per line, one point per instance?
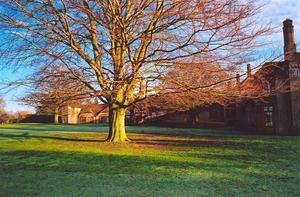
(117, 126)
(56, 116)
(110, 115)
(192, 117)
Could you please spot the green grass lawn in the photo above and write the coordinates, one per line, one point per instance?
(73, 160)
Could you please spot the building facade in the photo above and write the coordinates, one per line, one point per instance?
(80, 114)
(275, 111)
(204, 116)
(278, 113)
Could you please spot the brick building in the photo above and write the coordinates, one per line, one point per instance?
(278, 113)
(88, 113)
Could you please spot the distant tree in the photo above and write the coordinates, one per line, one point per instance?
(53, 88)
(189, 85)
(20, 114)
(3, 115)
(120, 49)
(2, 104)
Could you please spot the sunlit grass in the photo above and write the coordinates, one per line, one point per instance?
(74, 160)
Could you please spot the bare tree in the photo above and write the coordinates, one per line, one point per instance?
(3, 115)
(122, 47)
(2, 104)
(53, 88)
(18, 116)
(190, 85)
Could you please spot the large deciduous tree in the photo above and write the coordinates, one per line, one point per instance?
(122, 47)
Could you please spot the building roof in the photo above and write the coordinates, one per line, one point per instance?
(95, 109)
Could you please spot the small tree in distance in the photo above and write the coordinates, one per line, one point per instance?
(53, 88)
(4, 117)
(121, 49)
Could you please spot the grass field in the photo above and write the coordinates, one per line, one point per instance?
(66, 160)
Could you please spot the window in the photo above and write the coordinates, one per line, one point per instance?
(268, 110)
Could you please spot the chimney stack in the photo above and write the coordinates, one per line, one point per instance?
(248, 70)
(289, 41)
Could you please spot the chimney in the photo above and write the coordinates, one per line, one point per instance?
(248, 70)
(289, 41)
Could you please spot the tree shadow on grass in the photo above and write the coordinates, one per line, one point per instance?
(182, 142)
(56, 127)
(198, 141)
(208, 166)
(131, 171)
(159, 140)
(131, 129)
(146, 140)
(26, 135)
(66, 161)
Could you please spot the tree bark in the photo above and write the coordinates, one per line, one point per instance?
(56, 116)
(110, 115)
(117, 131)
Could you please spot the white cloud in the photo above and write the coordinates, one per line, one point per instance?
(277, 11)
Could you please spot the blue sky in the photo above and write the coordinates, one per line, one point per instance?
(275, 11)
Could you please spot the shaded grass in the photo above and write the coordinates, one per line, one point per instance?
(31, 127)
(58, 160)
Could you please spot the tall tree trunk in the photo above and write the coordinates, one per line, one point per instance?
(56, 116)
(117, 126)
